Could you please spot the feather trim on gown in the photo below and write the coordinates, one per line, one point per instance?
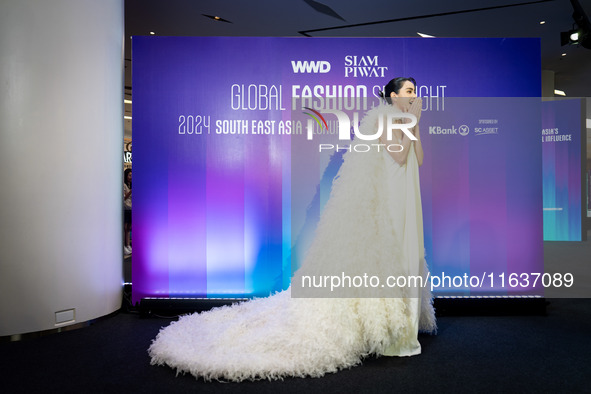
(375, 207)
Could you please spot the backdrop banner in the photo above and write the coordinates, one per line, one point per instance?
(216, 209)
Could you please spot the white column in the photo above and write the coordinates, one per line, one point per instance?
(547, 83)
(61, 136)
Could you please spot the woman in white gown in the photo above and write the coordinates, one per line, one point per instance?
(371, 224)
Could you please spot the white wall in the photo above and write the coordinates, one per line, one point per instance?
(61, 133)
(547, 83)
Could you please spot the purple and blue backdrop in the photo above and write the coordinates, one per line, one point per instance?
(561, 144)
(215, 214)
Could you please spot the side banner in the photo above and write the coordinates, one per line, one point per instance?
(561, 141)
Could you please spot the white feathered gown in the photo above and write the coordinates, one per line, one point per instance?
(375, 206)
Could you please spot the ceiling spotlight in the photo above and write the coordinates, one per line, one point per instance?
(425, 35)
(152, 33)
(216, 18)
(571, 37)
(542, 22)
(559, 92)
(582, 34)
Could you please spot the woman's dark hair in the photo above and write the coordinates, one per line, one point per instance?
(394, 86)
(125, 173)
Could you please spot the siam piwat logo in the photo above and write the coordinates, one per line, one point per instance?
(364, 66)
(387, 122)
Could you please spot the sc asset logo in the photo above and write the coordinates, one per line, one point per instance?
(310, 67)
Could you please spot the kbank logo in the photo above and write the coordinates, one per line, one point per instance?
(463, 130)
(310, 67)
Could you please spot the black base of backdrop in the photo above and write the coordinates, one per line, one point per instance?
(492, 306)
(181, 306)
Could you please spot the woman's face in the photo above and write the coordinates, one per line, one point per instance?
(129, 177)
(405, 96)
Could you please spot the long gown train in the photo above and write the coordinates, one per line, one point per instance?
(375, 207)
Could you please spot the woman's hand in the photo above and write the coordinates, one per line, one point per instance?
(416, 108)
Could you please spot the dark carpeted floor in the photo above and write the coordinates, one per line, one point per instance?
(523, 354)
